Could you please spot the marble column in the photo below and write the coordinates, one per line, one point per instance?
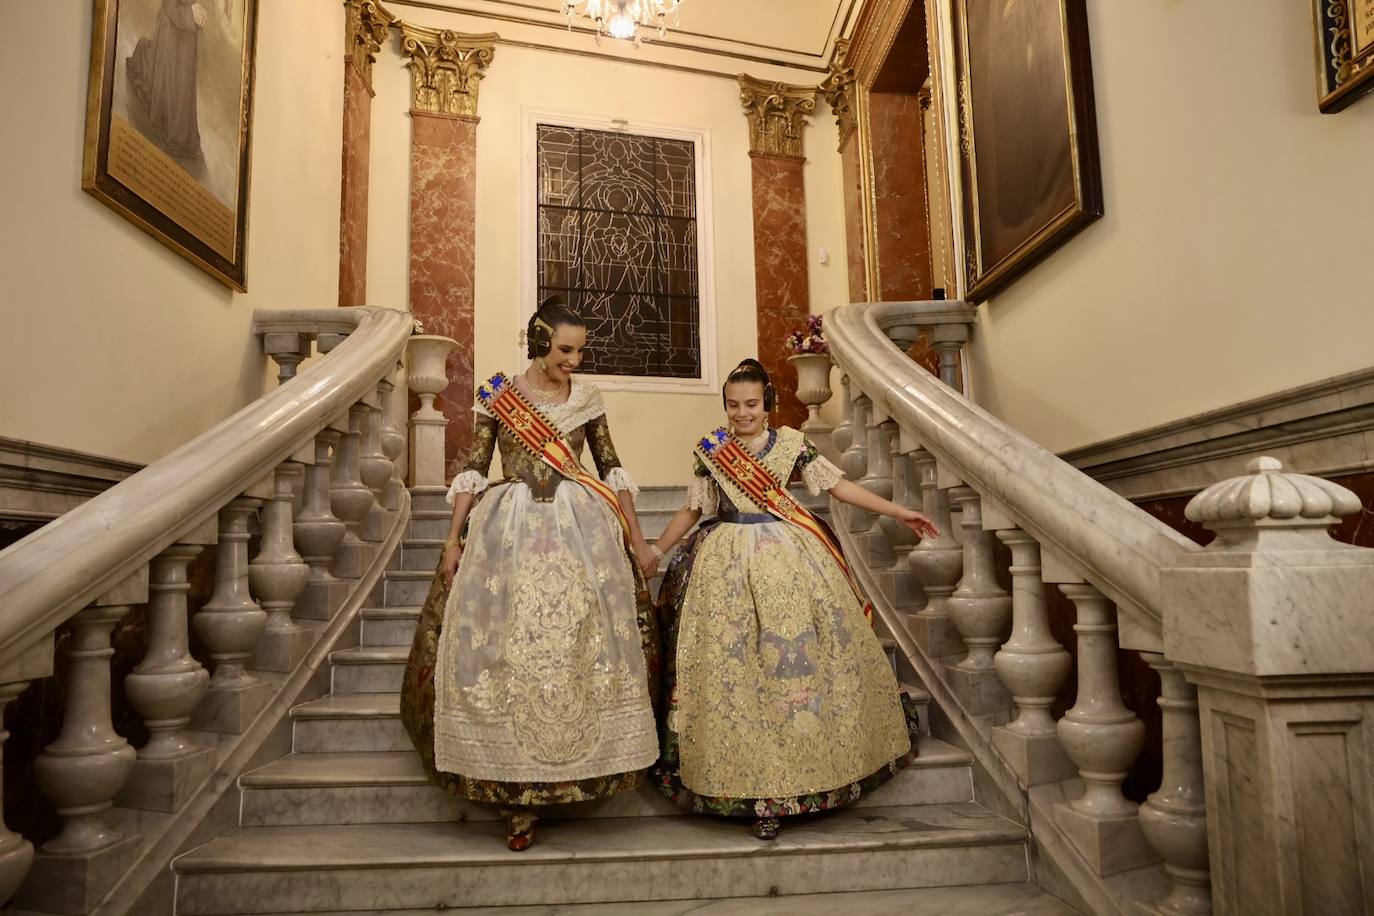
(446, 70)
(777, 117)
(365, 29)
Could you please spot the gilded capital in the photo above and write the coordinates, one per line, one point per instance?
(777, 114)
(838, 89)
(366, 25)
(446, 68)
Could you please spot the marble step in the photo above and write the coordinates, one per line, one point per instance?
(368, 669)
(351, 722)
(405, 587)
(428, 525)
(254, 870)
(417, 554)
(389, 626)
(391, 787)
(963, 900)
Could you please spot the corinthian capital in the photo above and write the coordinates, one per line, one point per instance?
(777, 114)
(838, 89)
(366, 25)
(446, 68)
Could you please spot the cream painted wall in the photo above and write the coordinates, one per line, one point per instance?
(653, 431)
(1233, 260)
(110, 343)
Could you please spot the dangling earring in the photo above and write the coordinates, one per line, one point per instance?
(543, 365)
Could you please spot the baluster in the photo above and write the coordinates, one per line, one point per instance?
(375, 470)
(229, 626)
(1174, 818)
(166, 688)
(1032, 666)
(979, 609)
(948, 340)
(85, 767)
(393, 444)
(878, 480)
(938, 564)
(1102, 737)
(289, 350)
(16, 853)
(350, 498)
(843, 433)
(277, 575)
(319, 532)
(854, 459)
(905, 491)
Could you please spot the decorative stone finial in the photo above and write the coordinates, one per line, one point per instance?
(838, 88)
(777, 114)
(446, 68)
(1271, 497)
(367, 23)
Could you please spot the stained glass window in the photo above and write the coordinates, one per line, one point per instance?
(618, 241)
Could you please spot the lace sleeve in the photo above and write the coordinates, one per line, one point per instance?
(817, 473)
(602, 449)
(701, 493)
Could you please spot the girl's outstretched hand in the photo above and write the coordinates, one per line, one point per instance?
(918, 523)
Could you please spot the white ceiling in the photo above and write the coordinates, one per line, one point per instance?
(785, 33)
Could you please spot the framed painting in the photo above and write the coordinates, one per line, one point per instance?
(1345, 51)
(168, 119)
(1031, 175)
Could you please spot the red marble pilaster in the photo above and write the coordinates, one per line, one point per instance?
(443, 221)
(357, 141)
(899, 195)
(781, 290)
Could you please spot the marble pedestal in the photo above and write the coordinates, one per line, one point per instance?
(75, 884)
(1036, 759)
(936, 636)
(281, 650)
(352, 558)
(1110, 845)
(979, 692)
(229, 710)
(320, 600)
(165, 785)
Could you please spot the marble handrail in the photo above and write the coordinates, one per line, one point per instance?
(1117, 546)
(60, 569)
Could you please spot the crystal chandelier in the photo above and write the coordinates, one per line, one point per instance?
(624, 19)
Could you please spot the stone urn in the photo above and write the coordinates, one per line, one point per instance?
(813, 388)
(427, 376)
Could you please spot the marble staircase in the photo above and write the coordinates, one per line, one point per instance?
(348, 822)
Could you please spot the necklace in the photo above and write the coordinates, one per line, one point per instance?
(544, 395)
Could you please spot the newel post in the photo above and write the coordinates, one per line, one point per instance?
(1272, 623)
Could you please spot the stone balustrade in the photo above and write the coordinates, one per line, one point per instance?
(1265, 660)
(312, 468)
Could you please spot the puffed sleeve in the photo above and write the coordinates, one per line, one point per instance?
(607, 461)
(474, 464)
(702, 493)
(817, 473)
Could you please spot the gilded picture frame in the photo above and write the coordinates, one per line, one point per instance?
(1344, 31)
(1031, 176)
(168, 124)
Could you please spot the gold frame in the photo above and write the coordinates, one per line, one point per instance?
(97, 181)
(1345, 68)
(983, 279)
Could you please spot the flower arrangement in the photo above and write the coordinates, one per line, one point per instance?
(809, 339)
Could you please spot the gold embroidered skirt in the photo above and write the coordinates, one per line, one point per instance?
(538, 667)
(782, 688)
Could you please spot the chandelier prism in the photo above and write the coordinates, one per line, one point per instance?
(624, 19)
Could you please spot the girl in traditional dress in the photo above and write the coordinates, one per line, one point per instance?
(780, 699)
(528, 683)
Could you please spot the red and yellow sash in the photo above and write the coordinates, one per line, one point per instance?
(537, 434)
(727, 456)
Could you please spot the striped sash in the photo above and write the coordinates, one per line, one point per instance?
(727, 458)
(532, 430)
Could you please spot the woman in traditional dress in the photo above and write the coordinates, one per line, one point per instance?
(528, 683)
(162, 76)
(780, 699)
